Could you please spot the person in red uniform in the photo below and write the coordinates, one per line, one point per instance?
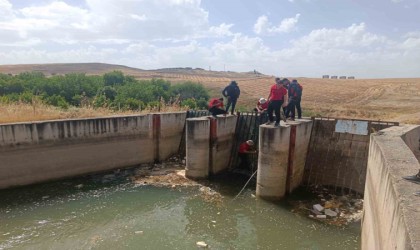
(216, 107)
(245, 149)
(262, 105)
(277, 98)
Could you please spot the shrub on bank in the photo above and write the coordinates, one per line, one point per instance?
(113, 90)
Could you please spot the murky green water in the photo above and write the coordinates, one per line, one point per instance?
(86, 213)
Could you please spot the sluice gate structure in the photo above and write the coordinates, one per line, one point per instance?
(368, 157)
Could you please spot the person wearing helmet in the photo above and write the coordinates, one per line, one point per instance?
(245, 149)
(262, 105)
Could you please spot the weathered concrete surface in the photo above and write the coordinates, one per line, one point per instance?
(299, 143)
(412, 139)
(272, 161)
(209, 145)
(338, 159)
(222, 144)
(391, 211)
(197, 148)
(48, 150)
(171, 129)
(36, 152)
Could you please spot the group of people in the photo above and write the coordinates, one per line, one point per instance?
(283, 94)
(231, 93)
(283, 100)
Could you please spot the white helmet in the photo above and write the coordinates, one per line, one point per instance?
(262, 100)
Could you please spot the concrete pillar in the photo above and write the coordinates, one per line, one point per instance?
(156, 136)
(272, 161)
(197, 148)
(300, 135)
(223, 133)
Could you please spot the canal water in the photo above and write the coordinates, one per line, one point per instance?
(96, 213)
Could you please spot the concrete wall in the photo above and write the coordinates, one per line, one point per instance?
(338, 159)
(171, 132)
(299, 145)
(48, 150)
(391, 211)
(412, 139)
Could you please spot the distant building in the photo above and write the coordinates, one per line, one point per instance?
(334, 77)
(326, 76)
(343, 77)
(350, 77)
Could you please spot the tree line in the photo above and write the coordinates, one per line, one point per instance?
(112, 90)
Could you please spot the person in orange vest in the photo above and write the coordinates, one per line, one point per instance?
(277, 98)
(245, 149)
(216, 106)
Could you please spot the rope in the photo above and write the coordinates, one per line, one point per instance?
(245, 185)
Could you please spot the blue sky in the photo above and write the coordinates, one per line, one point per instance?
(294, 38)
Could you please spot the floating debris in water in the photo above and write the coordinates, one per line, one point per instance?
(339, 210)
(202, 244)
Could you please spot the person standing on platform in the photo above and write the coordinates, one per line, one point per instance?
(295, 96)
(277, 98)
(231, 92)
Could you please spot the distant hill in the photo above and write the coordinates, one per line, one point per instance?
(65, 68)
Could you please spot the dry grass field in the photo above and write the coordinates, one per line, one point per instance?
(374, 99)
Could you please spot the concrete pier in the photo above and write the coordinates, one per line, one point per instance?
(300, 135)
(273, 161)
(222, 143)
(197, 148)
(209, 145)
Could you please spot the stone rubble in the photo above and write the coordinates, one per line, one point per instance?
(331, 208)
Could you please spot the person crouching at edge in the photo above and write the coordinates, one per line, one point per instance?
(245, 149)
(216, 106)
(277, 98)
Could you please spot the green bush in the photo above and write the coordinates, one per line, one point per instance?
(190, 103)
(56, 100)
(112, 90)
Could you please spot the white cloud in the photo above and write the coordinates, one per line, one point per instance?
(177, 33)
(397, 1)
(220, 31)
(264, 27)
(6, 10)
(111, 20)
(353, 36)
(287, 24)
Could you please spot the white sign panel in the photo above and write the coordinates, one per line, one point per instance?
(352, 127)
